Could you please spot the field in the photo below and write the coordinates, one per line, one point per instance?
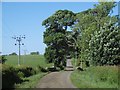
(27, 60)
(96, 77)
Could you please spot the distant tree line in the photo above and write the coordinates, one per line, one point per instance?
(13, 53)
(34, 53)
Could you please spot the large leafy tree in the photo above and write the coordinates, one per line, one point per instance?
(93, 20)
(55, 36)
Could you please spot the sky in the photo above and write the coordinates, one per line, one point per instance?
(25, 18)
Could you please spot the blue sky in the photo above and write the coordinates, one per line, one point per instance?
(25, 18)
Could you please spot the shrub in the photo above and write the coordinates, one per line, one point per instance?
(26, 70)
(80, 69)
(3, 59)
(104, 46)
(9, 77)
(61, 67)
(13, 75)
(41, 69)
(20, 74)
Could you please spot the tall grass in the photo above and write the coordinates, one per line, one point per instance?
(96, 77)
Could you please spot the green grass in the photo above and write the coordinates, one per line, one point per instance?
(32, 61)
(28, 60)
(31, 81)
(96, 77)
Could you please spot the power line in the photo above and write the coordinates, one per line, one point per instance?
(19, 41)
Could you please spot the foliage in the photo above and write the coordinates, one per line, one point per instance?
(26, 70)
(9, 77)
(55, 36)
(3, 59)
(13, 53)
(85, 42)
(30, 82)
(14, 75)
(73, 42)
(41, 69)
(90, 23)
(34, 53)
(104, 46)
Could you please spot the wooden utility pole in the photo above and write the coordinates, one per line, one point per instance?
(19, 40)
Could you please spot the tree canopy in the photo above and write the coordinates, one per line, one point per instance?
(95, 36)
(55, 36)
(92, 24)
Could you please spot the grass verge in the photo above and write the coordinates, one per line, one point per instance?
(31, 82)
(96, 77)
